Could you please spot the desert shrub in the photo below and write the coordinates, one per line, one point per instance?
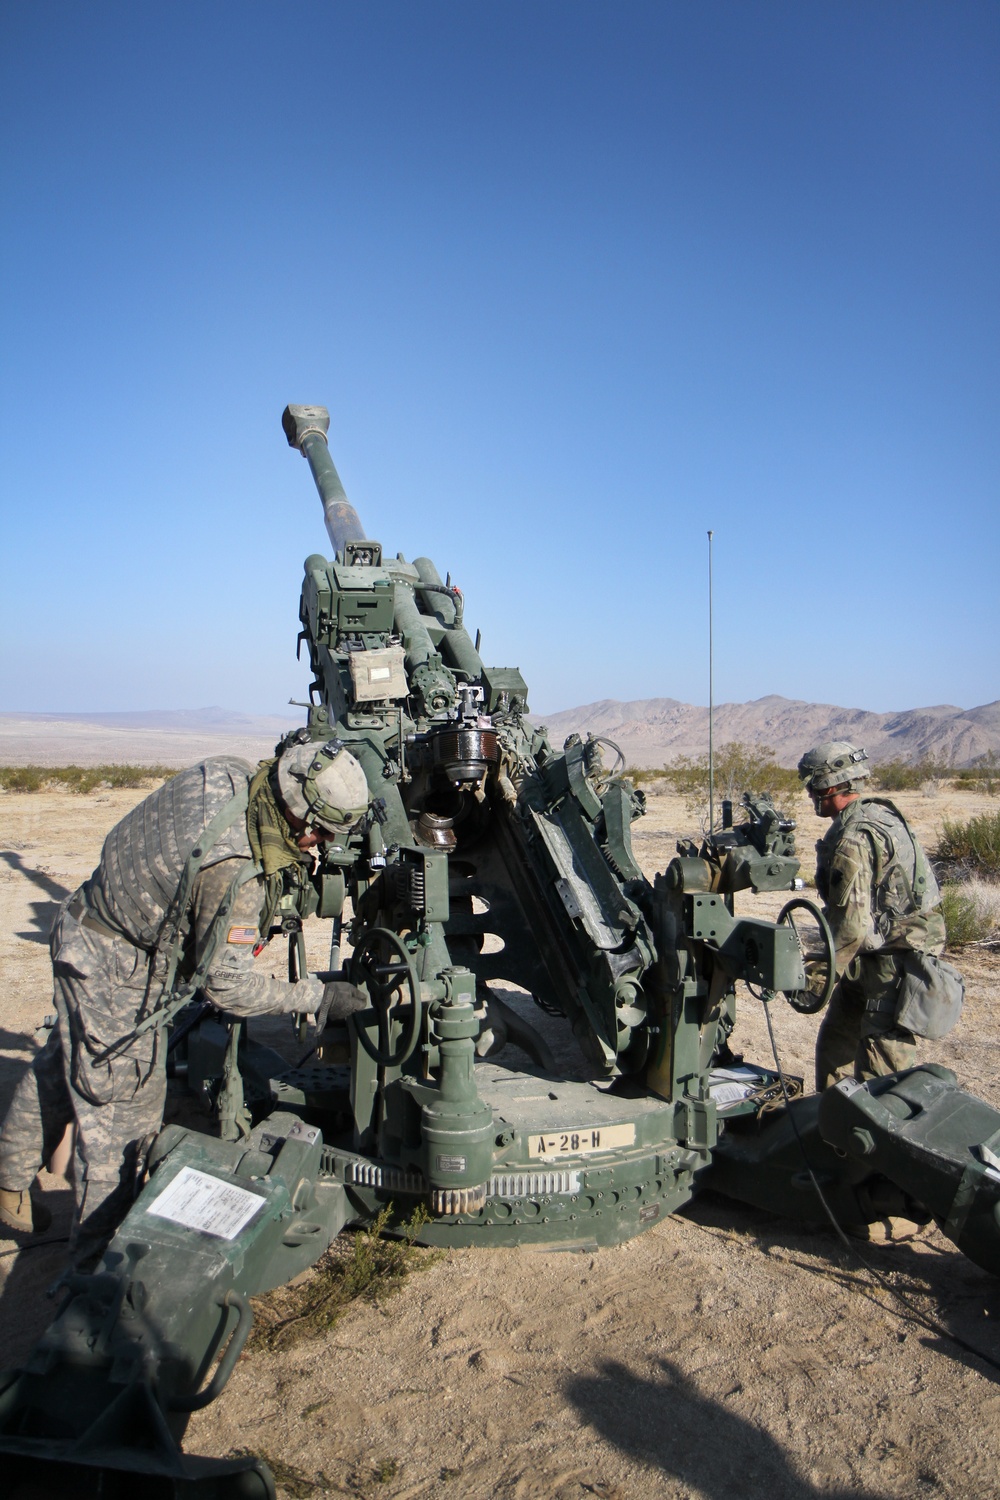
(642, 775)
(906, 776)
(984, 776)
(80, 778)
(974, 844)
(76, 778)
(135, 776)
(364, 1265)
(971, 912)
(21, 778)
(87, 778)
(739, 768)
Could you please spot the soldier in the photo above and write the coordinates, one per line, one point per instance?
(183, 899)
(883, 905)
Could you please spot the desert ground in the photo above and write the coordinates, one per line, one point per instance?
(722, 1353)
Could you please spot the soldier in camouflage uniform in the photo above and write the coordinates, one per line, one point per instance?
(184, 894)
(882, 902)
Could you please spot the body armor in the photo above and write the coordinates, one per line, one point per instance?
(144, 855)
(904, 890)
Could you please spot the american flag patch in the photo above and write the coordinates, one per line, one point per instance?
(242, 935)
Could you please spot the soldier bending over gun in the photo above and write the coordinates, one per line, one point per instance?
(182, 900)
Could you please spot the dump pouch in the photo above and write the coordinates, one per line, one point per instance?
(930, 996)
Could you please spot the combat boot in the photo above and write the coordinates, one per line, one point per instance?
(18, 1212)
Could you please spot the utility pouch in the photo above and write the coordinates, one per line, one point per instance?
(106, 1080)
(930, 996)
(113, 1082)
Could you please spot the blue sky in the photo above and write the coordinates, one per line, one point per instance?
(577, 282)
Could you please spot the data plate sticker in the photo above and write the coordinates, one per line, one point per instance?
(582, 1141)
(199, 1201)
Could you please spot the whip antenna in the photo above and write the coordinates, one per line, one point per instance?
(711, 698)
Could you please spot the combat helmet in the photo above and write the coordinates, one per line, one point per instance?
(834, 763)
(322, 784)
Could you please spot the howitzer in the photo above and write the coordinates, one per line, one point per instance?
(491, 861)
(491, 867)
(495, 860)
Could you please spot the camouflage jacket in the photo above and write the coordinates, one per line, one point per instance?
(137, 879)
(879, 891)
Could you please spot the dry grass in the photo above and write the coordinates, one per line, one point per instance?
(289, 1480)
(364, 1265)
(971, 912)
(295, 1484)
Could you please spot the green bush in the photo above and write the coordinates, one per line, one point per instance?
(974, 844)
(642, 775)
(739, 768)
(984, 776)
(21, 778)
(906, 776)
(961, 917)
(971, 912)
(80, 778)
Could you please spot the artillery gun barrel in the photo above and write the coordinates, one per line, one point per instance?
(306, 428)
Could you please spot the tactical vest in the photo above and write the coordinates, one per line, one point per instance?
(904, 887)
(144, 855)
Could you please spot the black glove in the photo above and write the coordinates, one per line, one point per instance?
(340, 1000)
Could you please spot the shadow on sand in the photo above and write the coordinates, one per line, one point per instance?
(42, 912)
(29, 1267)
(690, 1437)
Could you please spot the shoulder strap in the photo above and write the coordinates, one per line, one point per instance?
(915, 888)
(174, 998)
(169, 1000)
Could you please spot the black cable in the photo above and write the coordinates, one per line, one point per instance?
(909, 1312)
(802, 1145)
(62, 1239)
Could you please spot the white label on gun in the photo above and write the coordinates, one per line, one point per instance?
(199, 1201)
(585, 1140)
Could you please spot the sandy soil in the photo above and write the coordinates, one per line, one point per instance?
(722, 1353)
(51, 741)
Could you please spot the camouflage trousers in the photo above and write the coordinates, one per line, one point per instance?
(859, 1037)
(100, 986)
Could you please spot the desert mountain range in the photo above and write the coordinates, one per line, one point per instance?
(649, 731)
(653, 730)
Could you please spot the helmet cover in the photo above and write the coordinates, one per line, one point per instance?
(834, 763)
(323, 785)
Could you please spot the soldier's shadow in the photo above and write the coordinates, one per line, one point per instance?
(690, 1437)
(42, 912)
(29, 1270)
